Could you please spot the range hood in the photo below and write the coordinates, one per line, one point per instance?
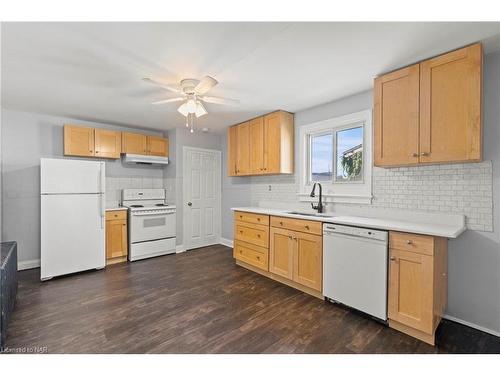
(144, 159)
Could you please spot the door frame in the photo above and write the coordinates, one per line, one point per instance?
(218, 158)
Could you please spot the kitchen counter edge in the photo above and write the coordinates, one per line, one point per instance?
(430, 229)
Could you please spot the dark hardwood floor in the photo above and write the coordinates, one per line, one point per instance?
(201, 302)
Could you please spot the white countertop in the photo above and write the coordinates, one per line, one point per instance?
(428, 228)
(116, 208)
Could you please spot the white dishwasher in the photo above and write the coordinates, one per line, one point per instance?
(355, 268)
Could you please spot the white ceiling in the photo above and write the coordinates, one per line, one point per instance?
(93, 71)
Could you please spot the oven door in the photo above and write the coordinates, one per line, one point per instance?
(151, 226)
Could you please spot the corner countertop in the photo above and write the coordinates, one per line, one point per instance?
(427, 228)
(116, 208)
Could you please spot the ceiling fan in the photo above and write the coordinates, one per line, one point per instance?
(192, 93)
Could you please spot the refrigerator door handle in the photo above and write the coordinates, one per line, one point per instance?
(102, 210)
(102, 179)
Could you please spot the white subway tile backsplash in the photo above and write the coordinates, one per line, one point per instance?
(455, 188)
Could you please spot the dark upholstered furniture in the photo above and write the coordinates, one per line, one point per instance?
(8, 286)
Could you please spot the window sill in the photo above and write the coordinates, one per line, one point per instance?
(338, 198)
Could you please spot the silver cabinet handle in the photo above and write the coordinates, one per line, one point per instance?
(409, 242)
(392, 258)
(425, 153)
(190, 204)
(415, 155)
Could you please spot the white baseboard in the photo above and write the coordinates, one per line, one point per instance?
(180, 248)
(226, 242)
(28, 264)
(472, 325)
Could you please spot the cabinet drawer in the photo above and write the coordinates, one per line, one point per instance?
(253, 233)
(116, 215)
(254, 255)
(249, 217)
(412, 242)
(306, 226)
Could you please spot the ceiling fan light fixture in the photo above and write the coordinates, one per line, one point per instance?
(200, 109)
(191, 105)
(183, 110)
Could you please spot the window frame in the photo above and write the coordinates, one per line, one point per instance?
(337, 190)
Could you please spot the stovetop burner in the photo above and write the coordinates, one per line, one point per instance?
(136, 205)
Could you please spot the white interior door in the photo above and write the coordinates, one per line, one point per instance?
(201, 197)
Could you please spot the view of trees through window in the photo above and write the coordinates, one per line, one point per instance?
(350, 154)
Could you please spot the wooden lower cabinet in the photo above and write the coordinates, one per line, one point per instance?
(417, 284)
(297, 256)
(116, 236)
(281, 253)
(255, 255)
(308, 260)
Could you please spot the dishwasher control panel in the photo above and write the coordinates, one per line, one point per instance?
(355, 231)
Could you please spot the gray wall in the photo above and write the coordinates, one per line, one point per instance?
(27, 137)
(474, 258)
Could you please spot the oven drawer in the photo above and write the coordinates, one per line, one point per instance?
(155, 226)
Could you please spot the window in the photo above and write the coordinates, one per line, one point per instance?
(349, 155)
(337, 154)
(321, 157)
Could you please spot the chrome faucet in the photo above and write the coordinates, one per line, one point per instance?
(319, 206)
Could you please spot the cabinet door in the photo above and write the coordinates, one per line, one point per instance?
(256, 130)
(243, 149)
(78, 141)
(396, 117)
(308, 260)
(450, 106)
(108, 143)
(272, 143)
(116, 238)
(157, 146)
(133, 143)
(411, 289)
(232, 147)
(281, 253)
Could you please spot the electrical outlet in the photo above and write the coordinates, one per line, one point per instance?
(269, 189)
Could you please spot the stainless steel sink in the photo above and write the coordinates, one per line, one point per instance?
(309, 214)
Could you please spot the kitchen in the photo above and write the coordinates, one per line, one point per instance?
(380, 236)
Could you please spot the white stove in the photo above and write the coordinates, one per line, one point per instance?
(151, 223)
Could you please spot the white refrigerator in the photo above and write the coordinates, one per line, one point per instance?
(72, 216)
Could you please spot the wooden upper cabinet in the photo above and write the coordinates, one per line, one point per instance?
(308, 262)
(278, 143)
(157, 146)
(134, 143)
(78, 141)
(264, 145)
(430, 112)
(243, 149)
(141, 144)
(232, 132)
(396, 113)
(450, 106)
(108, 143)
(256, 130)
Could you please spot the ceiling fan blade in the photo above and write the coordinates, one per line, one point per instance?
(166, 87)
(204, 85)
(179, 99)
(216, 100)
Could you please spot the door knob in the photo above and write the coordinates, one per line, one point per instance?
(190, 204)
